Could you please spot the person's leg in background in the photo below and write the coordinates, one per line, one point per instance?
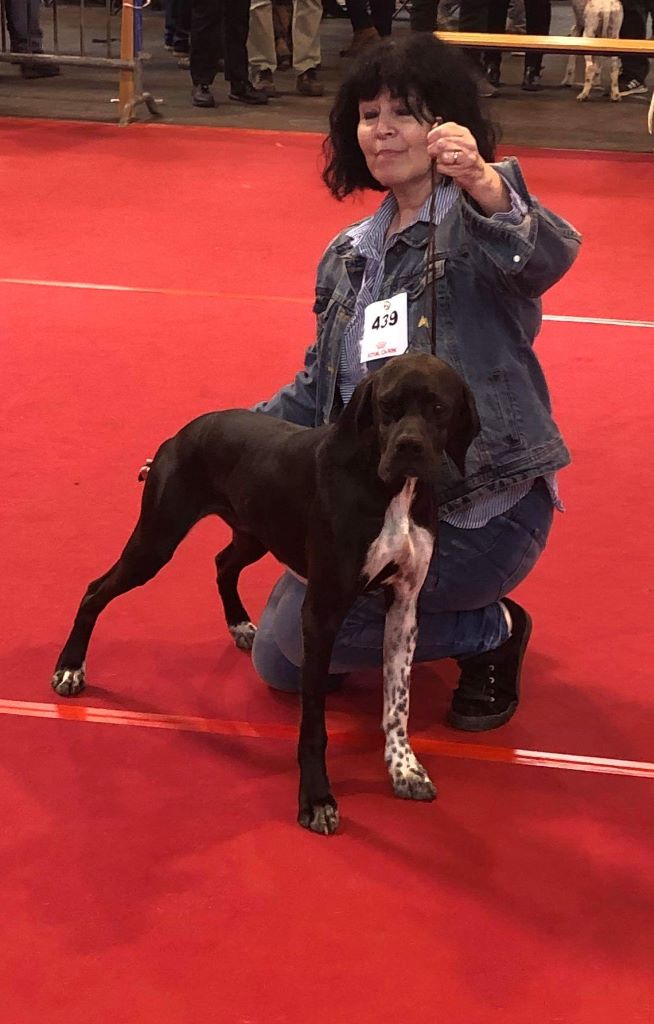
(282, 11)
(179, 27)
(459, 616)
(307, 15)
(538, 17)
(382, 16)
(497, 14)
(236, 21)
(423, 15)
(364, 31)
(262, 53)
(206, 27)
(25, 36)
(473, 17)
(635, 66)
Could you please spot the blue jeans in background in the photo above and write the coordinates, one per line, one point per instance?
(458, 610)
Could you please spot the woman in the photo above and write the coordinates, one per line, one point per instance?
(497, 251)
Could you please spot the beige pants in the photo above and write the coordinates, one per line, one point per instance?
(307, 15)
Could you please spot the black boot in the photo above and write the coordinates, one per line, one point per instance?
(489, 684)
(244, 92)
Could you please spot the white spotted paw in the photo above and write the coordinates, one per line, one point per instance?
(244, 635)
(68, 682)
(412, 783)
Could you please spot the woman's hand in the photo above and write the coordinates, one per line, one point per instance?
(454, 150)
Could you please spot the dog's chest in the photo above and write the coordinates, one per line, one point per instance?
(400, 541)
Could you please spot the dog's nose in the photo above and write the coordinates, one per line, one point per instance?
(409, 447)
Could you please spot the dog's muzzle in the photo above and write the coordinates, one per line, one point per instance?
(408, 455)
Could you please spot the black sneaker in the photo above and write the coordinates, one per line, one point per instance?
(202, 96)
(631, 87)
(531, 81)
(489, 684)
(244, 92)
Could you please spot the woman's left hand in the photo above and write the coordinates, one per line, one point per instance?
(455, 152)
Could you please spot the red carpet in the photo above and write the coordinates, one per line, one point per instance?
(153, 875)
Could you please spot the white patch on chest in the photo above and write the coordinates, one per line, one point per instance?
(401, 541)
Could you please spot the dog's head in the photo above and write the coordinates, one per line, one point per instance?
(415, 408)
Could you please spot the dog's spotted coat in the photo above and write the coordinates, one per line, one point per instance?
(410, 548)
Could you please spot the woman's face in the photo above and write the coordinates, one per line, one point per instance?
(393, 142)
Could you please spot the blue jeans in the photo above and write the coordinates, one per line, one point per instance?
(458, 610)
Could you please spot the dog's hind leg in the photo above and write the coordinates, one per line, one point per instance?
(243, 550)
(167, 514)
(591, 71)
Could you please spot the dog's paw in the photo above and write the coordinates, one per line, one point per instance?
(615, 97)
(68, 682)
(243, 635)
(145, 469)
(582, 97)
(412, 783)
(322, 818)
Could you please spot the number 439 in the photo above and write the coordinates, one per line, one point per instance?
(386, 320)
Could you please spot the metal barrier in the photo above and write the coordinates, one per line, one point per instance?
(128, 62)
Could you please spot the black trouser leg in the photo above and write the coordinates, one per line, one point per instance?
(538, 16)
(206, 28)
(237, 26)
(423, 15)
(382, 15)
(359, 14)
(634, 26)
(473, 17)
(497, 12)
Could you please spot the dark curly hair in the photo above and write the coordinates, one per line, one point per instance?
(434, 80)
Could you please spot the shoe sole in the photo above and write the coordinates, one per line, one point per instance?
(483, 723)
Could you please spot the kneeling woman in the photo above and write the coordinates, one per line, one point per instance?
(403, 107)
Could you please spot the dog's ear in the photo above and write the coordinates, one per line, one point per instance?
(359, 409)
(464, 428)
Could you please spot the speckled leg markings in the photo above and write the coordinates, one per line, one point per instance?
(410, 547)
(409, 778)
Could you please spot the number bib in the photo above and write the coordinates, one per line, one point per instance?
(385, 330)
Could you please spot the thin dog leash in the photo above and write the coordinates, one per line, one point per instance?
(431, 249)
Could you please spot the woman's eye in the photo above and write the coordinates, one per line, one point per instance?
(369, 115)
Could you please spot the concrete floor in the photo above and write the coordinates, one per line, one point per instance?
(551, 118)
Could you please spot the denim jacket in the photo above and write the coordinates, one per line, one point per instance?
(489, 275)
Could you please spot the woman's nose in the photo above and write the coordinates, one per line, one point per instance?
(384, 126)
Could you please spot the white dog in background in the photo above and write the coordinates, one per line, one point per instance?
(597, 19)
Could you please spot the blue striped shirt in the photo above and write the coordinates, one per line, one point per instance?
(370, 240)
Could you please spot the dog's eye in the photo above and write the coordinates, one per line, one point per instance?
(387, 409)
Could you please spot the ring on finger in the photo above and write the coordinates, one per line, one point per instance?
(455, 156)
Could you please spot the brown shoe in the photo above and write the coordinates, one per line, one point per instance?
(263, 80)
(308, 85)
(361, 38)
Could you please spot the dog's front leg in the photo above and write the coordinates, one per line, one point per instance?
(318, 810)
(614, 90)
(409, 778)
